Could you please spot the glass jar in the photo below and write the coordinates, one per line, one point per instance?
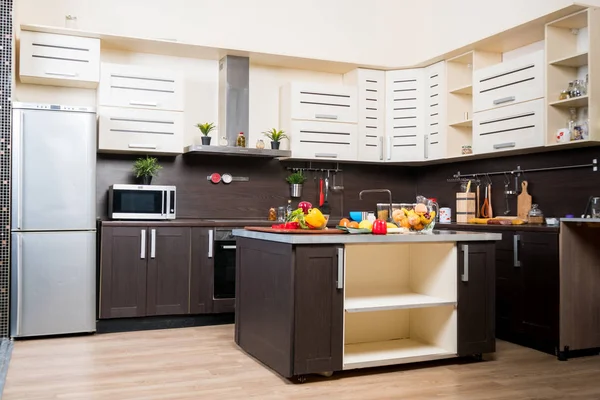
(570, 88)
(223, 141)
(535, 216)
(564, 95)
(578, 89)
(260, 144)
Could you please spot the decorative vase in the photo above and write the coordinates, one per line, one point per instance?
(295, 189)
(275, 145)
(146, 180)
(205, 140)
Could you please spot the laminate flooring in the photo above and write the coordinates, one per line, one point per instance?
(204, 363)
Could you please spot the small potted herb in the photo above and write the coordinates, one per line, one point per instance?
(275, 137)
(296, 180)
(145, 168)
(206, 128)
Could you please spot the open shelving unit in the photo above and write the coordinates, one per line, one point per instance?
(572, 52)
(402, 308)
(459, 72)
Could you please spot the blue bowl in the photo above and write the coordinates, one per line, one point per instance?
(358, 215)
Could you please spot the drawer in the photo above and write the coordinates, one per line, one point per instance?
(133, 130)
(59, 60)
(319, 102)
(508, 128)
(510, 82)
(323, 140)
(140, 87)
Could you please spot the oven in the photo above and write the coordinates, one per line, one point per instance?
(141, 202)
(224, 270)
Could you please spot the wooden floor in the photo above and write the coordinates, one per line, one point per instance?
(204, 363)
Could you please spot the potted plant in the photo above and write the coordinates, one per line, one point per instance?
(206, 128)
(275, 137)
(296, 180)
(145, 169)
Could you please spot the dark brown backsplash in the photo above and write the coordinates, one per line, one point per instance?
(556, 192)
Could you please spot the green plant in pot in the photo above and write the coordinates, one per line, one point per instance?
(145, 168)
(275, 136)
(206, 128)
(296, 180)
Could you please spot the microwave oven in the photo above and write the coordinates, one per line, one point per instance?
(141, 202)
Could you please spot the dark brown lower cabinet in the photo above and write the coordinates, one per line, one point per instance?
(144, 271)
(201, 274)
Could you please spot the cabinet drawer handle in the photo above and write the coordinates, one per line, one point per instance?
(210, 243)
(340, 269)
(326, 116)
(516, 261)
(229, 247)
(67, 74)
(504, 145)
(153, 243)
(326, 155)
(141, 146)
(504, 100)
(465, 276)
(142, 103)
(143, 245)
(381, 148)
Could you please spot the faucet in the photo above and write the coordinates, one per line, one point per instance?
(360, 194)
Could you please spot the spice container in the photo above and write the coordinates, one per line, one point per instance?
(564, 95)
(272, 214)
(241, 140)
(535, 216)
(383, 211)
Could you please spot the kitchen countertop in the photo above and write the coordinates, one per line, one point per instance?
(587, 220)
(436, 236)
(524, 227)
(209, 222)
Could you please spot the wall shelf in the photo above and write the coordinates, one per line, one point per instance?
(236, 151)
(581, 101)
(393, 301)
(464, 124)
(577, 60)
(467, 89)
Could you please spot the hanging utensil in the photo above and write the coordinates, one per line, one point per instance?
(321, 196)
(325, 208)
(484, 212)
(477, 209)
(489, 194)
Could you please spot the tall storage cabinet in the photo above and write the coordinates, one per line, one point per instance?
(435, 112)
(370, 85)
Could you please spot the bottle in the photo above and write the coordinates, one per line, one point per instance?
(573, 126)
(585, 124)
(241, 140)
(289, 209)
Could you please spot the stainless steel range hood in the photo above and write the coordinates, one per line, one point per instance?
(234, 97)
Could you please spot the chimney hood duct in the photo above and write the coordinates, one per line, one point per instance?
(234, 101)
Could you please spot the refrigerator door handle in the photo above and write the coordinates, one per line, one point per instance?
(20, 173)
(19, 281)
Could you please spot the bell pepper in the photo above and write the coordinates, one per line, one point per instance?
(305, 206)
(287, 225)
(379, 227)
(315, 219)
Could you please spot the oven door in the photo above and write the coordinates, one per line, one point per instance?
(224, 270)
(137, 202)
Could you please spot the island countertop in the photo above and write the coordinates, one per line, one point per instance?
(434, 237)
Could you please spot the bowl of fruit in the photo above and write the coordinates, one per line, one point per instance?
(415, 217)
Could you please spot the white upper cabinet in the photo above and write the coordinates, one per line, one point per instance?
(435, 112)
(370, 86)
(141, 87)
(320, 120)
(404, 115)
(511, 82)
(59, 60)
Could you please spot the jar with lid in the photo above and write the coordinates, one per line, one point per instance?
(564, 95)
(535, 216)
(578, 89)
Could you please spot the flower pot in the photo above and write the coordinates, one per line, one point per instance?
(205, 140)
(275, 145)
(296, 189)
(146, 180)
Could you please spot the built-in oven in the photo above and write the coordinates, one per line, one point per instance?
(141, 202)
(224, 250)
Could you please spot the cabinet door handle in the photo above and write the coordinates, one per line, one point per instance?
(143, 245)
(67, 74)
(141, 146)
(504, 100)
(142, 103)
(152, 243)
(229, 247)
(465, 275)
(389, 149)
(504, 145)
(340, 269)
(210, 243)
(326, 155)
(381, 148)
(426, 147)
(516, 261)
(326, 116)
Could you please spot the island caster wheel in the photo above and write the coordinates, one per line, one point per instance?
(327, 374)
(301, 378)
(478, 357)
(563, 355)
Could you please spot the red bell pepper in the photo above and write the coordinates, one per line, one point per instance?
(287, 225)
(379, 227)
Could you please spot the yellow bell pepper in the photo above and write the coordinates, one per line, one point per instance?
(315, 219)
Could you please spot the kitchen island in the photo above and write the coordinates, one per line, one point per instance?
(323, 303)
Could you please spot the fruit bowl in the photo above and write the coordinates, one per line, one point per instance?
(414, 217)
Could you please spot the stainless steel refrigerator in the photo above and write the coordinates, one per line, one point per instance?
(53, 232)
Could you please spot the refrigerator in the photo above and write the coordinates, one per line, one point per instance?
(53, 228)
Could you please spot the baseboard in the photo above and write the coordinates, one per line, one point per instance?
(161, 322)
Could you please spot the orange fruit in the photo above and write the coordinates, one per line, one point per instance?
(404, 223)
(418, 227)
(352, 224)
(420, 208)
(344, 222)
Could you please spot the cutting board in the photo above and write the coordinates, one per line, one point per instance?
(328, 231)
(523, 202)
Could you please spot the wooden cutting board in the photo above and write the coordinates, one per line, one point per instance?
(523, 202)
(327, 231)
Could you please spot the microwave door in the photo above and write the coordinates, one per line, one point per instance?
(138, 204)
